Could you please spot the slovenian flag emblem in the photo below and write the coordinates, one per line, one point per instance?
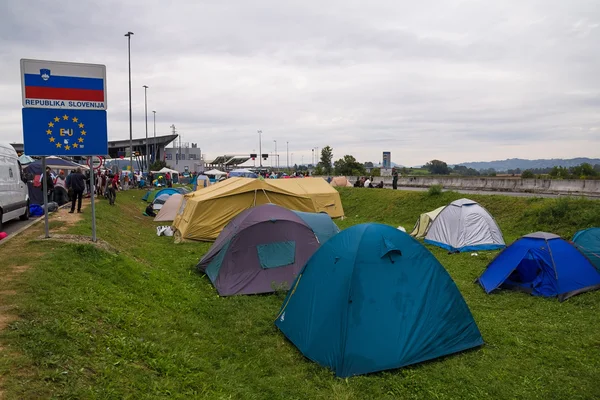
(48, 86)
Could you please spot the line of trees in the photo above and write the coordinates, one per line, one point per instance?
(349, 166)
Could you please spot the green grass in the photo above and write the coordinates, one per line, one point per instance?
(143, 324)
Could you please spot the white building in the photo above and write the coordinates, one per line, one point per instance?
(185, 157)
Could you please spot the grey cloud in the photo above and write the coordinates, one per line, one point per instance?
(458, 80)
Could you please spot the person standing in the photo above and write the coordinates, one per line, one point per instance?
(49, 184)
(60, 189)
(77, 185)
(394, 179)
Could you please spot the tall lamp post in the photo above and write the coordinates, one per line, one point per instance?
(277, 162)
(154, 141)
(287, 150)
(128, 34)
(260, 147)
(146, 113)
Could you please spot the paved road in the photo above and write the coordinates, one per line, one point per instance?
(14, 225)
(489, 192)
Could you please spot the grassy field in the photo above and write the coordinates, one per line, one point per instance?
(140, 323)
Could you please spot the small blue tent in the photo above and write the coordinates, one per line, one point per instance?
(153, 194)
(373, 298)
(588, 242)
(542, 264)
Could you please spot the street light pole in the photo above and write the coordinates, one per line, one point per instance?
(154, 142)
(260, 147)
(146, 113)
(277, 163)
(287, 150)
(128, 34)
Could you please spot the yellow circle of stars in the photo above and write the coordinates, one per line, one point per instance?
(74, 129)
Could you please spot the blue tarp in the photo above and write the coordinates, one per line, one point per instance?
(541, 264)
(373, 298)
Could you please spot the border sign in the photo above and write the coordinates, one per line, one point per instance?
(53, 84)
(56, 132)
(64, 114)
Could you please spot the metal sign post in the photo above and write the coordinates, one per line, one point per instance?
(45, 189)
(93, 189)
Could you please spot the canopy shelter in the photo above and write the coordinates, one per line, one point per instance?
(169, 210)
(214, 172)
(59, 163)
(464, 225)
(542, 264)
(263, 249)
(209, 210)
(372, 298)
(587, 241)
(424, 222)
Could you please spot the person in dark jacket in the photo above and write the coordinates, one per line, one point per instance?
(394, 179)
(49, 184)
(77, 184)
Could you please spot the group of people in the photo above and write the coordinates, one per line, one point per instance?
(63, 187)
(367, 181)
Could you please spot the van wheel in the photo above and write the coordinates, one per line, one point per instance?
(25, 215)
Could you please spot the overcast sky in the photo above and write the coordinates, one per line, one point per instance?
(456, 80)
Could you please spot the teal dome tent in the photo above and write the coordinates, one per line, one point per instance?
(373, 298)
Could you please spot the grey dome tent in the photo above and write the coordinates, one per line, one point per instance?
(464, 225)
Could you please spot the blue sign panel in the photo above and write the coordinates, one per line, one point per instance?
(60, 132)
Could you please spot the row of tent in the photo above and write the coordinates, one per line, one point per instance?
(359, 311)
(353, 311)
(204, 213)
(371, 297)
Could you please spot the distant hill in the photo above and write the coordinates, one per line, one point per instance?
(514, 163)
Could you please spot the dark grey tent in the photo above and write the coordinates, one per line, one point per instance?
(264, 248)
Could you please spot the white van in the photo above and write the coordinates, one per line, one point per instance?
(14, 195)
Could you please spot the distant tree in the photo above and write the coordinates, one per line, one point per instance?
(319, 170)
(405, 171)
(464, 171)
(158, 165)
(583, 171)
(368, 164)
(527, 174)
(348, 166)
(437, 167)
(326, 159)
(376, 172)
(597, 168)
(488, 172)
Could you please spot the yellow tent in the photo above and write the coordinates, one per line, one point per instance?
(424, 222)
(206, 211)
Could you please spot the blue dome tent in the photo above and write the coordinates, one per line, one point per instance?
(542, 264)
(373, 298)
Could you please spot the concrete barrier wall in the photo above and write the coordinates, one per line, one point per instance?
(549, 186)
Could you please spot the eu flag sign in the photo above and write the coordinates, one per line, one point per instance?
(60, 132)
